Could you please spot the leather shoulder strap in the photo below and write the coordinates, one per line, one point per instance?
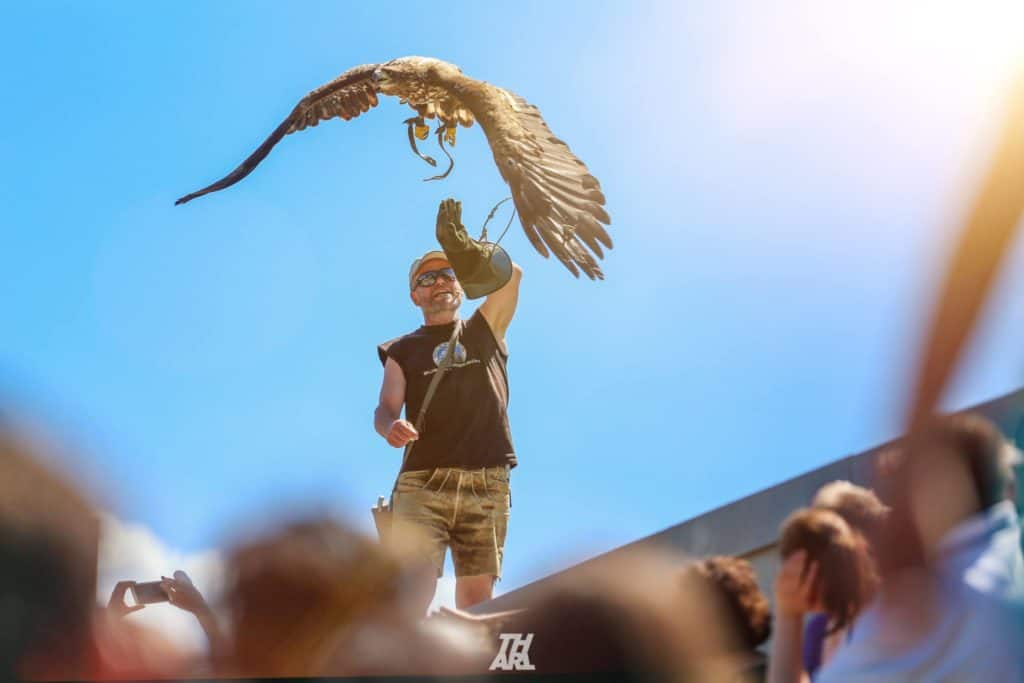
(446, 363)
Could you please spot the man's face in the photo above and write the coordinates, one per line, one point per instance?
(441, 296)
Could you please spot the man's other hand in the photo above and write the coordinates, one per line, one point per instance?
(401, 433)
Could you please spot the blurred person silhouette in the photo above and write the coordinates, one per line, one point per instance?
(865, 513)
(732, 583)
(611, 621)
(949, 606)
(826, 568)
(315, 598)
(50, 625)
(49, 538)
(959, 516)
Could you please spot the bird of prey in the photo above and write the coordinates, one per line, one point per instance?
(560, 204)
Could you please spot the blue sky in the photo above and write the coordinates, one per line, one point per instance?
(783, 180)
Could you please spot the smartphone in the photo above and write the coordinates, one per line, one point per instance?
(148, 593)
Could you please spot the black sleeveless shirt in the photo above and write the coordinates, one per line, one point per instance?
(466, 423)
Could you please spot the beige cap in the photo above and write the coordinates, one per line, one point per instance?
(429, 256)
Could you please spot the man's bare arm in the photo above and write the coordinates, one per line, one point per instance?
(499, 307)
(387, 417)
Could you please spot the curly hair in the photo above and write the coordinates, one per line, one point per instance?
(847, 577)
(735, 582)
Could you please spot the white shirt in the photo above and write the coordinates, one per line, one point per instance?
(985, 553)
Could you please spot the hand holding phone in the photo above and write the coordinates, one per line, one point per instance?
(183, 593)
(116, 605)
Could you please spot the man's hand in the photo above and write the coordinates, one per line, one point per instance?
(116, 605)
(183, 594)
(466, 255)
(796, 586)
(450, 232)
(401, 432)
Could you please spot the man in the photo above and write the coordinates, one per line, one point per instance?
(453, 490)
(961, 508)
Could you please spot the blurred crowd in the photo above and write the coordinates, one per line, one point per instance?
(919, 578)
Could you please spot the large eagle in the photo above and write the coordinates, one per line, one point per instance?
(560, 204)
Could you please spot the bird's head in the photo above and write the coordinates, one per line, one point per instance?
(392, 75)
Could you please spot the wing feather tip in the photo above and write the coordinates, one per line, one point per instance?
(598, 212)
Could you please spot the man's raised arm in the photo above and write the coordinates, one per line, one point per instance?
(499, 307)
(386, 418)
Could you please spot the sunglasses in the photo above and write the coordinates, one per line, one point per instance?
(428, 278)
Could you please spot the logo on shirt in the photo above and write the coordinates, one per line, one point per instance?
(458, 357)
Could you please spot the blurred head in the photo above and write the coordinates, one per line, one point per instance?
(858, 506)
(433, 285)
(296, 596)
(958, 470)
(846, 574)
(48, 551)
(623, 616)
(733, 584)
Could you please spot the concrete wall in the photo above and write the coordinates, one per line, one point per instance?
(749, 527)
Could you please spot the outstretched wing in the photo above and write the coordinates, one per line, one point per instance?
(560, 204)
(346, 97)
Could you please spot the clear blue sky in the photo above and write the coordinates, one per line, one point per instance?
(783, 181)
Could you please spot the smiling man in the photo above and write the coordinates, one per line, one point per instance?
(453, 490)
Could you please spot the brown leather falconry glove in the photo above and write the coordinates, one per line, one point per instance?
(481, 267)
